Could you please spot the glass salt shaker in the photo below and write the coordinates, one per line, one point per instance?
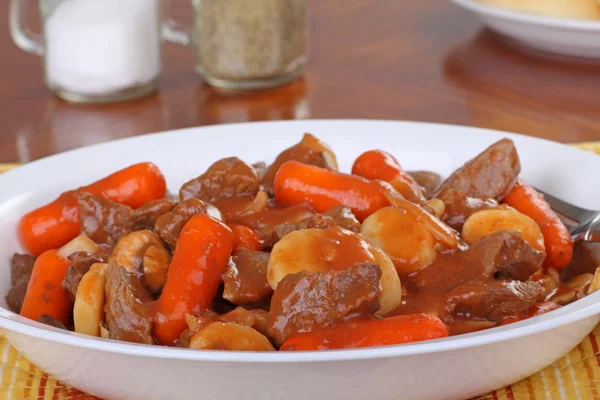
(247, 44)
(98, 50)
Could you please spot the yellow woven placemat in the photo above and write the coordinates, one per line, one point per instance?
(575, 376)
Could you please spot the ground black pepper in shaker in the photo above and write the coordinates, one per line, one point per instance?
(250, 43)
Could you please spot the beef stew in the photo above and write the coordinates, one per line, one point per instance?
(289, 255)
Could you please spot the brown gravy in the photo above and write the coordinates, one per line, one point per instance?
(426, 290)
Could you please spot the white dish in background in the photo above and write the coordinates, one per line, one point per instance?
(570, 37)
(453, 368)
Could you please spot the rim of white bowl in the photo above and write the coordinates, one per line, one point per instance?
(587, 307)
(570, 314)
(541, 20)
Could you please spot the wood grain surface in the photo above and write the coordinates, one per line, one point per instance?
(412, 60)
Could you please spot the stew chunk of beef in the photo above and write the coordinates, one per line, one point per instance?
(586, 259)
(127, 306)
(494, 300)
(51, 321)
(227, 177)
(489, 176)
(146, 216)
(429, 181)
(81, 263)
(20, 269)
(261, 169)
(169, 225)
(340, 216)
(459, 207)
(307, 299)
(105, 221)
(266, 221)
(503, 254)
(102, 220)
(245, 278)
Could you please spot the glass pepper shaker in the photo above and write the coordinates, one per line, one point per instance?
(248, 44)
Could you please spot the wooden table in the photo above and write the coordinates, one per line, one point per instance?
(413, 60)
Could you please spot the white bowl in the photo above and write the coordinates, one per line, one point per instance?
(452, 368)
(568, 37)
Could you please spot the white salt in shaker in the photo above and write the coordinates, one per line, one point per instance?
(98, 50)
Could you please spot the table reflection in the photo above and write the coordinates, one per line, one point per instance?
(59, 126)
(508, 88)
(288, 102)
(489, 62)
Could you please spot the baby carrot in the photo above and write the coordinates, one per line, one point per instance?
(45, 294)
(378, 164)
(133, 186)
(245, 238)
(324, 188)
(53, 225)
(369, 333)
(200, 257)
(557, 240)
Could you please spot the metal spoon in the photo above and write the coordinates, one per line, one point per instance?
(582, 224)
